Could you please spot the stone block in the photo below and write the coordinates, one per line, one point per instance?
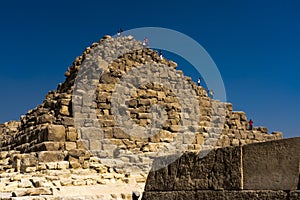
(63, 165)
(64, 110)
(51, 156)
(67, 121)
(55, 133)
(110, 149)
(119, 133)
(75, 164)
(70, 145)
(272, 165)
(77, 153)
(162, 136)
(218, 195)
(219, 169)
(46, 118)
(25, 183)
(28, 160)
(51, 165)
(49, 146)
(95, 145)
(71, 136)
(91, 133)
(32, 192)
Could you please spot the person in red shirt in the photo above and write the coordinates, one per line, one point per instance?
(250, 124)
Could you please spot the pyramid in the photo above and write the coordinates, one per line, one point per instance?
(96, 128)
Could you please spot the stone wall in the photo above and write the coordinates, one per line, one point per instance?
(267, 170)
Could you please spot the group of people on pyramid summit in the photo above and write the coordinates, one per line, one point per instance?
(145, 42)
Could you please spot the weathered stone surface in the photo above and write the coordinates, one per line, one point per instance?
(28, 160)
(272, 165)
(220, 169)
(55, 133)
(51, 156)
(49, 146)
(77, 153)
(217, 195)
(32, 192)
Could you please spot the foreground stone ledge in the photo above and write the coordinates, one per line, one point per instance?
(220, 169)
(218, 195)
(272, 165)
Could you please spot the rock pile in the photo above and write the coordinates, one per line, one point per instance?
(75, 131)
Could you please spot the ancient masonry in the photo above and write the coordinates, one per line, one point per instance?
(258, 171)
(46, 153)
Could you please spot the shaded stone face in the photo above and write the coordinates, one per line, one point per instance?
(220, 169)
(267, 170)
(218, 195)
(272, 166)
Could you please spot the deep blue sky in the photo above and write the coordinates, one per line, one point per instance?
(255, 44)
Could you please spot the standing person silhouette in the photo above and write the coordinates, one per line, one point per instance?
(211, 94)
(199, 81)
(145, 43)
(250, 124)
(120, 31)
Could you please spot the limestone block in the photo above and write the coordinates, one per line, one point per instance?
(119, 133)
(55, 133)
(28, 160)
(50, 156)
(78, 182)
(63, 165)
(51, 165)
(66, 182)
(49, 146)
(25, 183)
(277, 135)
(67, 121)
(82, 144)
(107, 78)
(64, 110)
(95, 145)
(110, 149)
(220, 169)
(272, 165)
(70, 145)
(162, 136)
(235, 142)
(3, 154)
(40, 191)
(76, 153)
(175, 128)
(11, 186)
(152, 147)
(219, 195)
(46, 118)
(75, 164)
(263, 129)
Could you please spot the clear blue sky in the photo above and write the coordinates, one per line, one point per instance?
(255, 44)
